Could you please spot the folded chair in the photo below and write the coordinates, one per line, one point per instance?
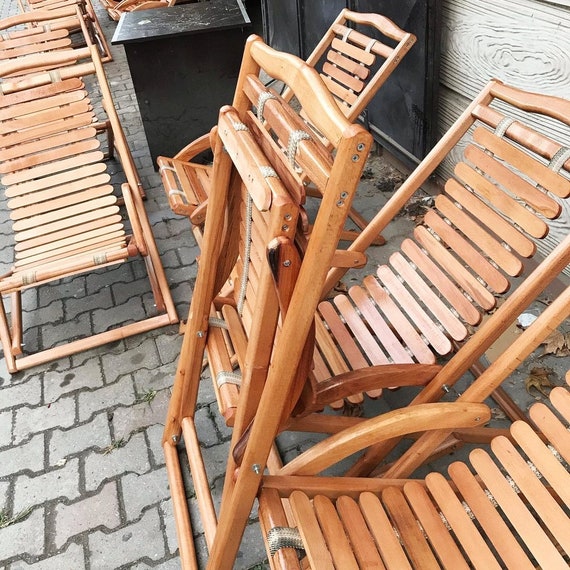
(354, 65)
(250, 271)
(65, 217)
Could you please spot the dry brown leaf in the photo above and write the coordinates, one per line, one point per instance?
(557, 343)
(539, 380)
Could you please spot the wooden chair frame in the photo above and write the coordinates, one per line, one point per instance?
(281, 282)
(25, 98)
(347, 76)
(545, 163)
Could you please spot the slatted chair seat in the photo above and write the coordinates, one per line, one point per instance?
(357, 66)
(78, 18)
(66, 218)
(505, 508)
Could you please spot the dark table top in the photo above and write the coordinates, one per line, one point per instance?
(178, 20)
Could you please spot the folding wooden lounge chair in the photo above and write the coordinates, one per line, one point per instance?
(353, 63)
(247, 275)
(66, 219)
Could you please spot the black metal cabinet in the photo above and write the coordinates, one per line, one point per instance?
(184, 62)
(403, 115)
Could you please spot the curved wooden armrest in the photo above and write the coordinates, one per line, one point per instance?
(37, 16)
(396, 423)
(201, 144)
(44, 60)
(371, 378)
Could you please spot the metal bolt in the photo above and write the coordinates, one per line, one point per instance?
(340, 203)
(200, 334)
(445, 388)
(256, 468)
(287, 217)
(287, 263)
(360, 146)
(344, 195)
(285, 227)
(355, 158)
(175, 438)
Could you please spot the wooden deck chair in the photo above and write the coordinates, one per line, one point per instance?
(357, 65)
(443, 284)
(507, 507)
(65, 216)
(116, 9)
(84, 31)
(251, 274)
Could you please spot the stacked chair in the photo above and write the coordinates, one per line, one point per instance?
(280, 352)
(353, 63)
(66, 218)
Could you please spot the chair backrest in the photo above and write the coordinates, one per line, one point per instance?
(356, 56)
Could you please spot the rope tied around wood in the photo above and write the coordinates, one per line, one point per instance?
(262, 99)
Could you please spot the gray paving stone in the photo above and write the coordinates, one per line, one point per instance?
(33, 420)
(157, 378)
(133, 457)
(29, 456)
(93, 401)
(63, 331)
(85, 375)
(87, 514)
(141, 491)
(168, 346)
(134, 542)
(26, 537)
(5, 428)
(4, 489)
(132, 418)
(115, 365)
(171, 564)
(78, 304)
(206, 427)
(169, 525)
(154, 436)
(93, 434)
(129, 312)
(62, 482)
(72, 559)
(29, 393)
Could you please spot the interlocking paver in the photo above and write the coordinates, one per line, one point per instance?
(29, 393)
(154, 438)
(131, 543)
(5, 428)
(85, 375)
(73, 558)
(29, 456)
(25, 537)
(101, 509)
(53, 414)
(143, 414)
(141, 491)
(4, 489)
(169, 525)
(93, 401)
(132, 457)
(62, 482)
(93, 434)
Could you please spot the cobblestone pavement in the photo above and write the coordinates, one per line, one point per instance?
(80, 453)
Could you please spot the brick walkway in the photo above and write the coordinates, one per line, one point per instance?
(80, 450)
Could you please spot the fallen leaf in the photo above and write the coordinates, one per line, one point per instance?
(557, 343)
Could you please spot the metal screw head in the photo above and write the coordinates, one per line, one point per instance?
(285, 227)
(175, 438)
(287, 263)
(360, 146)
(287, 217)
(344, 195)
(256, 468)
(355, 158)
(200, 334)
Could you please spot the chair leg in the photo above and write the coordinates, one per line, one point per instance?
(6, 339)
(16, 318)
